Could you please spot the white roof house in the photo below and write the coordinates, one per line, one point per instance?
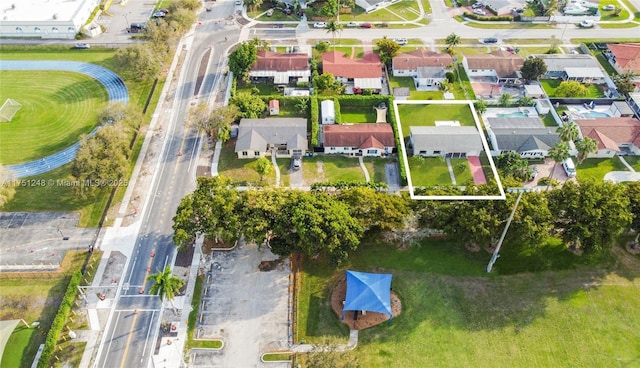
(54, 19)
(328, 112)
(445, 140)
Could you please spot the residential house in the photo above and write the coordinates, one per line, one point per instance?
(499, 66)
(446, 140)
(284, 137)
(427, 68)
(356, 74)
(281, 68)
(575, 67)
(365, 139)
(625, 57)
(634, 103)
(613, 135)
(526, 136)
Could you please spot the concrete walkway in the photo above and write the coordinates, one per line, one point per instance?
(364, 169)
(275, 167)
(626, 164)
(451, 174)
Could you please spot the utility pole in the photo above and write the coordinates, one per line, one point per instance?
(504, 232)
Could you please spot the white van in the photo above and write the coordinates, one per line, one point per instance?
(569, 167)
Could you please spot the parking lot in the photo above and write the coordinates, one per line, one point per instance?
(245, 307)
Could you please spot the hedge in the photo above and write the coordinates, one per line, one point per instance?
(394, 126)
(482, 18)
(314, 121)
(360, 100)
(59, 321)
(337, 113)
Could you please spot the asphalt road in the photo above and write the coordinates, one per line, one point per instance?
(132, 329)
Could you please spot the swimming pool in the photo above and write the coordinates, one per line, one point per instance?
(595, 114)
(517, 114)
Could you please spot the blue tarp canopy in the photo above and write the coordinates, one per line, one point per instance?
(368, 292)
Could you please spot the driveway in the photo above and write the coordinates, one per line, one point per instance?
(245, 307)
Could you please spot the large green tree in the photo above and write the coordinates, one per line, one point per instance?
(533, 68)
(590, 215)
(452, 41)
(334, 28)
(571, 89)
(633, 193)
(625, 82)
(326, 84)
(250, 106)
(374, 209)
(387, 50)
(585, 146)
(263, 167)
(165, 285)
(242, 59)
(511, 164)
(139, 61)
(557, 153)
(568, 132)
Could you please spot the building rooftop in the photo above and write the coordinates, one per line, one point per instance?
(38, 10)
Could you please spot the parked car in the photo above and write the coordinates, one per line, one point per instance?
(479, 12)
(238, 2)
(159, 14)
(490, 40)
(82, 45)
(609, 7)
(320, 25)
(296, 162)
(569, 167)
(401, 41)
(533, 173)
(587, 24)
(365, 25)
(165, 11)
(352, 24)
(269, 12)
(477, 5)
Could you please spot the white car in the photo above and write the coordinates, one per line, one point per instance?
(479, 12)
(477, 5)
(401, 41)
(587, 24)
(353, 24)
(609, 7)
(319, 25)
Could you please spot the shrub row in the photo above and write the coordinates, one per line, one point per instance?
(360, 100)
(58, 322)
(337, 112)
(483, 18)
(314, 121)
(339, 185)
(394, 126)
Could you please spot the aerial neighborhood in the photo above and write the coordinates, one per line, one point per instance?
(324, 183)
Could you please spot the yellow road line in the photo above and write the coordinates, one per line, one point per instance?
(126, 348)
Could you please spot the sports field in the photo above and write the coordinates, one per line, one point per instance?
(57, 109)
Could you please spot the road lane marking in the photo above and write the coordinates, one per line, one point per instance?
(113, 332)
(126, 347)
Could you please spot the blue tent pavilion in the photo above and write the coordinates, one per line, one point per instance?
(368, 292)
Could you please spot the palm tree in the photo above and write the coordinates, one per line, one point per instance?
(505, 99)
(558, 153)
(481, 106)
(526, 101)
(568, 132)
(165, 285)
(334, 27)
(585, 146)
(452, 40)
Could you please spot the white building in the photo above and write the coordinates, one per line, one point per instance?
(328, 112)
(53, 19)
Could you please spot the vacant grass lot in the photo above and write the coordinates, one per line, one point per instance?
(327, 168)
(357, 114)
(33, 299)
(375, 167)
(426, 115)
(595, 168)
(550, 86)
(58, 108)
(241, 171)
(454, 314)
(415, 94)
(433, 171)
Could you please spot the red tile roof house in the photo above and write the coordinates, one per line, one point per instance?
(427, 68)
(500, 65)
(365, 73)
(613, 135)
(371, 140)
(281, 68)
(625, 57)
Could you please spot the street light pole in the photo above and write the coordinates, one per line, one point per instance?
(504, 233)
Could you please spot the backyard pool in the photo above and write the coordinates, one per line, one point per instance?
(595, 114)
(582, 113)
(517, 114)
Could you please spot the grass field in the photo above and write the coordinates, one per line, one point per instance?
(426, 115)
(550, 86)
(359, 114)
(33, 300)
(595, 168)
(454, 314)
(333, 169)
(57, 109)
(415, 94)
(634, 161)
(241, 172)
(375, 167)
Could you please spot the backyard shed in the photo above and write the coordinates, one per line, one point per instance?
(274, 107)
(328, 112)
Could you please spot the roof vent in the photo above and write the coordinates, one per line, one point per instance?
(55, 16)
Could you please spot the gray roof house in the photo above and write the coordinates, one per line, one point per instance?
(286, 137)
(454, 141)
(579, 67)
(527, 136)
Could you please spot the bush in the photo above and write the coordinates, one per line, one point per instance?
(58, 322)
(394, 126)
(338, 114)
(482, 18)
(450, 77)
(545, 181)
(314, 121)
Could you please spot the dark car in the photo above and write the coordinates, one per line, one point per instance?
(365, 25)
(490, 40)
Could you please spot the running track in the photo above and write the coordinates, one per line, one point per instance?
(115, 88)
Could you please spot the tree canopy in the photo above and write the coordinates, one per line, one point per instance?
(242, 59)
(533, 68)
(387, 50)
(571, 89)
(250, 106)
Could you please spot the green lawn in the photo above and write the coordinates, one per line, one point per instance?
(331, 169)
(276, 357)
(426, 115)
(453, 312)
(429, 171)
(33, 300)
(240, 171)
(415, 94)
(633, 161)
(375, 167)
(58, 108)
(462, 171)
(596, 168)
(550, 86)
(357, 114)
(265, 89)
(549, 121)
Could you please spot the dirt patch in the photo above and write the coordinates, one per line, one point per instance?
(360, 321)
(266, 266)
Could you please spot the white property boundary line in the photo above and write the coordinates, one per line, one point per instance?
(485, 146)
